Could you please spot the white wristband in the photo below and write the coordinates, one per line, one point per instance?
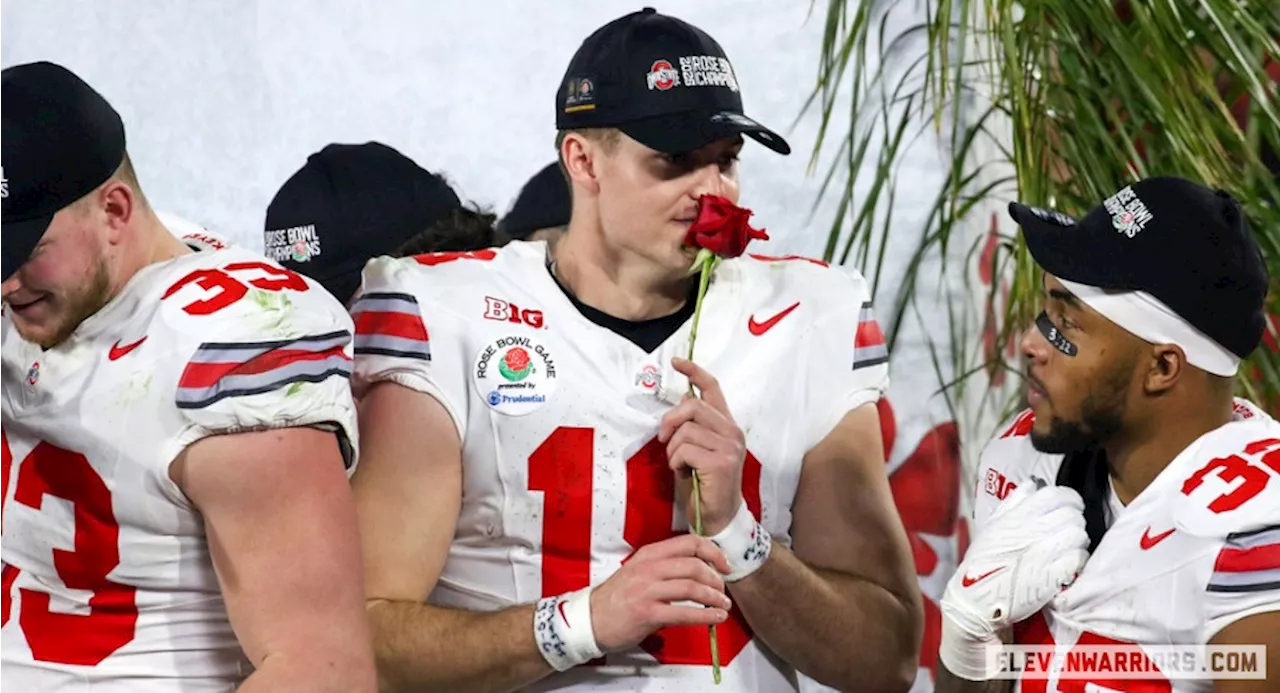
(562, 629)
(966, 655)
(745, 542)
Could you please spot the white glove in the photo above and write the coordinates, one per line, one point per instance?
(1031, 549)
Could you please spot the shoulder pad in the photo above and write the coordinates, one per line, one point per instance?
(237, 295)
(1229, 480)
(1009, 459)
(829, 289)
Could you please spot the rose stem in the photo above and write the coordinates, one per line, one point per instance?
(703, 280)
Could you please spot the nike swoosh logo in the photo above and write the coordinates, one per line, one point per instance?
(1149, 541)
(971, 581)
(759, 328)
(564, 618)
(118, 351)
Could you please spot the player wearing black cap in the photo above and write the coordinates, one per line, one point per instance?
(528, 441)
(352, 202)
(1135, 502)
(541, 210)
(176, 428)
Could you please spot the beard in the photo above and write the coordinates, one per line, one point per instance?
(94, 294)
(1101, 418)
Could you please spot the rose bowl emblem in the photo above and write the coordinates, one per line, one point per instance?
(515, 365)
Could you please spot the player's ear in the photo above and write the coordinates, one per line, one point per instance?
(579, 155)
(118, 205)
(1167, 362)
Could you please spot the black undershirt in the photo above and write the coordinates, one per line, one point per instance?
(646, 334)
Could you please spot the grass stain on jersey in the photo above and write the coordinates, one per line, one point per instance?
(276, 307)
(271, 300)
(294, 388)
(136, 389)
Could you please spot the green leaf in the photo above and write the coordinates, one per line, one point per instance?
(1088, 101)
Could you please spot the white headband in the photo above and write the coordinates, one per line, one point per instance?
(1147, 318)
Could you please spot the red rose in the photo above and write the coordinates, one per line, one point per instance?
(722, 227)
(517, 359)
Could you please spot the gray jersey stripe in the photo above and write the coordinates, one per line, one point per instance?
(262, 382)
(384, 343)
(229, 354)
(1252, 577)
(1249, 540)
(384, 305)
(875, 352)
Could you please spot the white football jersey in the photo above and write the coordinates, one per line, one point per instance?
(563, 475)
(107, 581)
(1196, 550)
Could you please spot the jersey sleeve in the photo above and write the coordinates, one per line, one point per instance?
(270, 360)
(1245, 579)
(405, 336)
(846, 357)
(1229, 496)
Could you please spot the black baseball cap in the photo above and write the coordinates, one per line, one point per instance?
(664, 82)
(350, 203)
(543, 202)
(1185, 244)
(60, 141)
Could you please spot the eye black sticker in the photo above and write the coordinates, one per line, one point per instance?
(1054, 335)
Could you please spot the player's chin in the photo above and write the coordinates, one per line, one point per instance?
(44, 336)
(34, 319)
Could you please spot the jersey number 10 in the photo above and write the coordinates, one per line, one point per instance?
(562, 468)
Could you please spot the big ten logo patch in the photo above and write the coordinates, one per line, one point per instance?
(298, 243)
(997, 485)
(506, 311)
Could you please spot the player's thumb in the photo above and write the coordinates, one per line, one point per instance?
(1064, 567)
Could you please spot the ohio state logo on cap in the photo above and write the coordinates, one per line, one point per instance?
(662, 76)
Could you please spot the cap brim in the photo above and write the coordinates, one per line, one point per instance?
(676, 133)
(20, 238)
(1060, 246)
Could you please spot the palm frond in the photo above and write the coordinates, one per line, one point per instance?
(1055, 102)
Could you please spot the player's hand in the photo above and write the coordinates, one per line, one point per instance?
(701, 435)
(642, 596)
(1032, 548)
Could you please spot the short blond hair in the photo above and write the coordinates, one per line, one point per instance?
(124, 173)
(607, 138)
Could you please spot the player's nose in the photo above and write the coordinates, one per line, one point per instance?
(711, 181)
(11, 285)
(1033, 344)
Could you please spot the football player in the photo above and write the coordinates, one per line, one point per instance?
(1135, 480)
(528, 440)
(352, 202)
(178, 431)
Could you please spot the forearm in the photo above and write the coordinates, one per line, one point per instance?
(840, 630)
(423, 647)
(948, 682)
(309, 674)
